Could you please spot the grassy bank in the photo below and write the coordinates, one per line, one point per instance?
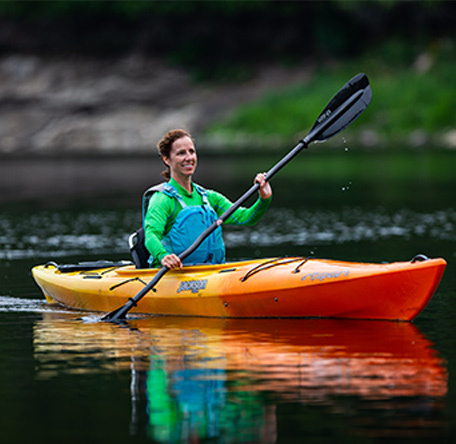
(413, 105)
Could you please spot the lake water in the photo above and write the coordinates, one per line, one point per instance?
(163, 379)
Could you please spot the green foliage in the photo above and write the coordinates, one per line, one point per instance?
(405, 100)
(283, 113)
(227, 40)
(412, 101)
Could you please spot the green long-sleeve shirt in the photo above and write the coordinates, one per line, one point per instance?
(163, 210)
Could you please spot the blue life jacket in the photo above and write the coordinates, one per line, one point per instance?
(189, 224)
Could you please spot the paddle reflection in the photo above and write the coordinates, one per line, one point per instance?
(204, 378)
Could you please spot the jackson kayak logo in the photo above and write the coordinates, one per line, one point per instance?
(322, 276)
(193, 286)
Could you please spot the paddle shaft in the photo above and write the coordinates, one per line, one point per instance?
(323, 122)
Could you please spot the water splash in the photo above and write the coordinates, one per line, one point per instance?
(344, 140)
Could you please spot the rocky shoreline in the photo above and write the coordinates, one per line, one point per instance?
(82, 105)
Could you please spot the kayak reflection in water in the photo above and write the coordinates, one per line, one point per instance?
(176, 212)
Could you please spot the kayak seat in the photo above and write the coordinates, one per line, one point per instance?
(138, 249)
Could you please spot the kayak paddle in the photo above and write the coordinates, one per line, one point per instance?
(344, 108)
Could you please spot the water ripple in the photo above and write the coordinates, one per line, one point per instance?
(348, 225)
(13, 304)
(54, 234)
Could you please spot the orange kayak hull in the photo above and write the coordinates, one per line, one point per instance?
(291, 287)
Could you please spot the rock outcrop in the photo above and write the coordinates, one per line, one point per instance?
(52, 106)
(82, 105)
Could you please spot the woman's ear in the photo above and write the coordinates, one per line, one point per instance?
(165, 160)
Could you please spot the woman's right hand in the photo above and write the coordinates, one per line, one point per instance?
(171, 261)
(265, 190)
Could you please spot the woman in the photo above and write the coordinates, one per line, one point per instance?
(179, 210)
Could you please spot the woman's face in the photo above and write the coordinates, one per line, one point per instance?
(182, 158)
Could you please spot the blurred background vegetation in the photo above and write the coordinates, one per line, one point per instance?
(407, 48)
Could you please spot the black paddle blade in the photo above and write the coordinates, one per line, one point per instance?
(345, 107)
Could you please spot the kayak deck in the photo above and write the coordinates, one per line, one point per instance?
(273, 288)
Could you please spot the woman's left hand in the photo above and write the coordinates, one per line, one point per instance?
(265, 190)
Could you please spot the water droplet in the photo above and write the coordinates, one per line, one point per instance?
(345, 144)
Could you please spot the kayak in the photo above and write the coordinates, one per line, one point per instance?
(287, 287)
